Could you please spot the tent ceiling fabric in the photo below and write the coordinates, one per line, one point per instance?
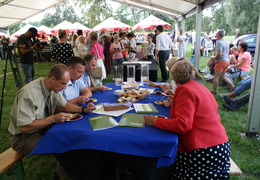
(172, 8)
(16, 11)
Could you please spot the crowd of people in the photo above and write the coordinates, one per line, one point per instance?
(203, 150)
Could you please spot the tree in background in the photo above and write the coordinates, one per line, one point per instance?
(61, 13)
(242, 14)
(218, 17)
(130, 15)
(94, 11)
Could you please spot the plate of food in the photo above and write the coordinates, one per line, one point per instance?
(159, 102)
(159, 93)
(74, 117)
(92, 100)
(161, 116)
(108, 89)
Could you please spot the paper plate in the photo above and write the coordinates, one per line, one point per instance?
(159, 102)
(92, 100)
(74, 117)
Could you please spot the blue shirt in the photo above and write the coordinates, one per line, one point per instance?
(72, 90)
(85, 79)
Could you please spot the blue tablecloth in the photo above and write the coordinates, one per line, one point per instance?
(148, 141)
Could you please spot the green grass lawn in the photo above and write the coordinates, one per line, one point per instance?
(245, 151)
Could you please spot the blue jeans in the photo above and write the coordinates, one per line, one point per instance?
(117, 62)
(243, 85)
(28, 71)
(236, 75)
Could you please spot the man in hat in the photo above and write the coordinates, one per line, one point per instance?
(26, 45)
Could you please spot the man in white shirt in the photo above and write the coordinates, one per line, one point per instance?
(162, 50)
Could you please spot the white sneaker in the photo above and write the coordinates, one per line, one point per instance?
(208, 76)
(205, 70)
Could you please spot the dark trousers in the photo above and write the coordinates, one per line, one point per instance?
(163, 57)
(85, 164)
(241, 101)
(142, 168)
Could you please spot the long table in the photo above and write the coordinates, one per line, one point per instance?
(147, 141)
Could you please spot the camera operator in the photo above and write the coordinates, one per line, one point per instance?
(26, 45)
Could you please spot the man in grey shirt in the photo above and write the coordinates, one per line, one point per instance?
(222, 60)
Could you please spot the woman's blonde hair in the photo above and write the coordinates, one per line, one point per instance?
(183, 71)
(171, 61)
(61, 33)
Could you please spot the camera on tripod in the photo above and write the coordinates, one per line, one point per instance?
(9, 49)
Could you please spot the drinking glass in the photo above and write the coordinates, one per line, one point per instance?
(118, 75)
(144, 72)
(130, 73)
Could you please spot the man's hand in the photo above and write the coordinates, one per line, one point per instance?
(156, 58)
(149, 120)
(89, 108)
(82, 99)
(61, 117)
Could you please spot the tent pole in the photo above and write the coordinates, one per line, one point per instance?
(198, 32)
(253, 118)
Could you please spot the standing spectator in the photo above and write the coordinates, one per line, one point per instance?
(97, 50)
(62, 51)
(73, 44)
(203, 149)
(154, 37)
(238, 34)
(107, 55)
(222, 60)
(212, 34)
(82, 47)
(182, 44)
(5, 43)
(122, 37)
(79, 33)
(117, 48)
(1, 49)
(26, 47)
(132, 43)
(162, 52)
(173, 35)
(148, 50)
(102, 33)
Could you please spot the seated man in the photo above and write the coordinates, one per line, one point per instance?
(75, 91)
(33, 109)
(90, 65)
(235, 104)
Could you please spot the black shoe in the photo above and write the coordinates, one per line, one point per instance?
(228, 100)
(231, 107)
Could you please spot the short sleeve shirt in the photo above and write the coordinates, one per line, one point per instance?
(222, 45)
(26, 58)
(30, 104)
(85, 79)
(246, 66)
(72, 90)
(117, 54)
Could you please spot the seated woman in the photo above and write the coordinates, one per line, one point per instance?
(208, 46)
(204, 150)
(244, 60)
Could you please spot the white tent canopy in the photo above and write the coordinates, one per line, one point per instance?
(22, 31)
(15, 11)
(44, 30)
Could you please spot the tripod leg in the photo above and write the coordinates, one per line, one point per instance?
(3, 90)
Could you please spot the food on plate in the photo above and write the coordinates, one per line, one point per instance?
(159, 102)
(108, 89)
(74, 117)
(130, 86)
(92, 100)
(116, 106)
(161, 116)
(158, 92)
(133, 95)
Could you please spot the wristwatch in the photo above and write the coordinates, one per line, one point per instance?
(82, 110)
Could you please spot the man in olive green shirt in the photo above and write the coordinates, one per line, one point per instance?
(34, 106)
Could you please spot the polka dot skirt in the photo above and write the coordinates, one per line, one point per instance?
(208, 163)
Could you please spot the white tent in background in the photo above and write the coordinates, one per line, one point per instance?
(150, 23)
(78, 26)
(111, 24)
(22, 31)
(3, 34)
(44, 30)
(65, 25)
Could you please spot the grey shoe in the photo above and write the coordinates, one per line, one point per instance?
(231, 107)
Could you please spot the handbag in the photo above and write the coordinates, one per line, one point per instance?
(234, 70)
(100, 71)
